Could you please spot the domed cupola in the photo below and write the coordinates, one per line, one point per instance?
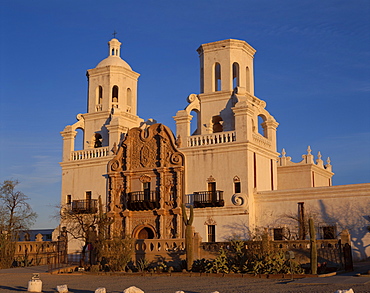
(112, 83)
(114, 56)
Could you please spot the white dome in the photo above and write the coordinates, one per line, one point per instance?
(115, 61)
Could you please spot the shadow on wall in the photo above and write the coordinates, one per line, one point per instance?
(354, 218)
(238, 231)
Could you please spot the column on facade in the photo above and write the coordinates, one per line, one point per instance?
(69, 136)
(183, 119)
(243, 121)
(116, 129)
(271, 126)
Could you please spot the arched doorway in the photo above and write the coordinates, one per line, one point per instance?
(145, 233)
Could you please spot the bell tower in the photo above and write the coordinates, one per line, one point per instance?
(111, 112)
(112, 83)
(225, 65)
(111, 104)
(232, 142)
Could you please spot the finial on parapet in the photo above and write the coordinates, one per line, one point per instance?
(309, 150)
(328, 166)
(308, 159)
(319, 162)
(284, 160)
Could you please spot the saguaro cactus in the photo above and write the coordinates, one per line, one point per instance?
(188, 236)
(313, 247)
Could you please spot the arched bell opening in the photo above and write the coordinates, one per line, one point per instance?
(195, 122)
(262, 129)
(217, 124)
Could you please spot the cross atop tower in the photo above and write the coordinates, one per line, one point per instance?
(114, 34)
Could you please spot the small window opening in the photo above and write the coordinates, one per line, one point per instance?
(217, 124)
(88, 195)
(247, 82)
(202, 80)
(217, 77)
(278, 234)
(236, 81)
(115, 94)
(211, 237)
(129, 100)
(69, 199)
(100, 95)
(237, 187)
(113, 52)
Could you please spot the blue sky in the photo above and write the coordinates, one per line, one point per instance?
(311, 67)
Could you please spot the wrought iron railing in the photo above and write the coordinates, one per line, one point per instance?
(85, 206)
(202, 199)
(143, 200)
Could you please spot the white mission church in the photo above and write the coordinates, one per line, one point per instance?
(228, 168)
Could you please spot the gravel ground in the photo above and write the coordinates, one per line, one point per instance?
(17, 281)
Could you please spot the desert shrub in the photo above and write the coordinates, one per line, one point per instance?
(201, 265)
(236, 260)
(117, 253)
(142, 265)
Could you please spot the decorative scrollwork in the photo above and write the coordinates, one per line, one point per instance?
(191, 98)
(176, 158)
(115, 165)
(239, 199)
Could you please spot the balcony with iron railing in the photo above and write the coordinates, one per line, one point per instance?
(84, 206)
(143, 200)
(202, 199)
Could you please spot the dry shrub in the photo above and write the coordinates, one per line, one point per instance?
(118, 253)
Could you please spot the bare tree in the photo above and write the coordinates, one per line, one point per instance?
(16, 213)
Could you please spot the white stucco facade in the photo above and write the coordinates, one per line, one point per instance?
(233, 173)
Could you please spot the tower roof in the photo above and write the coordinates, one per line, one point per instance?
(114, 56)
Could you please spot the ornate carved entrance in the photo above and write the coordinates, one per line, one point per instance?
(146, 184)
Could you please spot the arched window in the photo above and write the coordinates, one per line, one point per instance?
(202, 80)
(262, 126)
(129, 100)
(247, 76)
(237, 186)
(236, 78)
(99, 95)
(217, 75)
(115, 94)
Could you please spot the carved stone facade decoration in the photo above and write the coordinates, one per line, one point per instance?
(146, 178)
(210, 221)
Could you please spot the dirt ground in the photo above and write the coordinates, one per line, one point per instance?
(16, 280)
